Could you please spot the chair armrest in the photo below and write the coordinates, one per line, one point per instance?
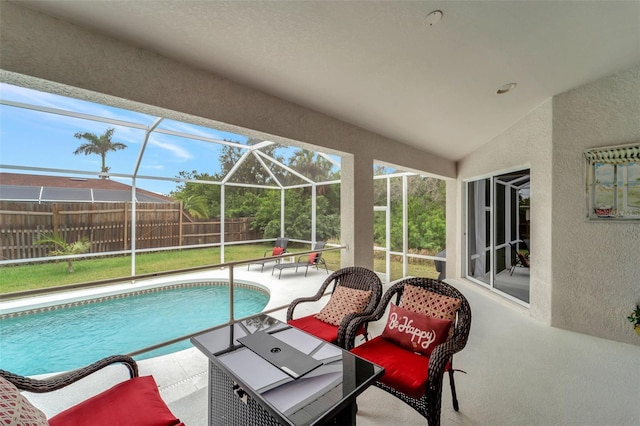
(358, 320)
(314, 298)
(61, 380)
(343, 328)
(296, 302)
(323, 288)
(439, 358)
(350, 337)
(443, 352)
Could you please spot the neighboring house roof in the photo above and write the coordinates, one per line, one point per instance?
(41, 188)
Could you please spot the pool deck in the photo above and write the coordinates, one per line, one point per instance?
(520, 371)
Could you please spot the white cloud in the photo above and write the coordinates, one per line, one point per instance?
(174, 149)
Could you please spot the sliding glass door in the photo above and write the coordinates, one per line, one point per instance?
(497, 233)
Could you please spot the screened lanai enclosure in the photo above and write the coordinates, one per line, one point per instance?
(131, 182)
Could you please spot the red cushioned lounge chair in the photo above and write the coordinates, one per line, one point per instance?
(279, 248)
(314, 259)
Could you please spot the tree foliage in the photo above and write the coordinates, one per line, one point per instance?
(199, 199)
(426, 199)
(99, 145)
(62, 248)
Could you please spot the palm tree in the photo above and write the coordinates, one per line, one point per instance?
(196, 205)
(99, 145)
(62, 248)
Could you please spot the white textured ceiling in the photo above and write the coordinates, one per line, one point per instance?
(377, 65)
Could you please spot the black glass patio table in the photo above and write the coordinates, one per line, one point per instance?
(246, 388)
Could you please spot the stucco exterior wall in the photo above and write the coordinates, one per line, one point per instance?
(585, 276)
(596, 269)
(525, 145)
(67, 57)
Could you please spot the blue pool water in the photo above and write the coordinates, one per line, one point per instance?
(68, 338)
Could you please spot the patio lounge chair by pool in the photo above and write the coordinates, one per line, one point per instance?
(314, 259)
(279, 248)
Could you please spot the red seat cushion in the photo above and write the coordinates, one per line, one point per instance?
(404, 370)
(318, 328)
(134, 402)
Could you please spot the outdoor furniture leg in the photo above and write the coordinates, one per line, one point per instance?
(453, 389)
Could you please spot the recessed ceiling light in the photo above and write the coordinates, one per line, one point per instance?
(433, 18)
(507, 87)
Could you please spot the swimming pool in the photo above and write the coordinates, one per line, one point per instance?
(73, 336)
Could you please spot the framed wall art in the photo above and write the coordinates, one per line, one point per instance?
(613, 183)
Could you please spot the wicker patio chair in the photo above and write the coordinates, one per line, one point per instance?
(134, 401)
(354, 277)
(421, 374)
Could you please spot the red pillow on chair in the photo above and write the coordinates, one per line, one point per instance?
(277, 251)
(134, 402)
(312, 257)
(415, 332)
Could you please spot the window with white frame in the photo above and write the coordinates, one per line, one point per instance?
(613, 183)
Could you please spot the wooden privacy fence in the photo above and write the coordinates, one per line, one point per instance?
(108, 227)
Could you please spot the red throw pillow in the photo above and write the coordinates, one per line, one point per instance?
(277, 251)
(415, 332)
(312, 257)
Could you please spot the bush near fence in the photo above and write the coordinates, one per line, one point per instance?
(108, 227)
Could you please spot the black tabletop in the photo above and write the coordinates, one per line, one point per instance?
(309, 399)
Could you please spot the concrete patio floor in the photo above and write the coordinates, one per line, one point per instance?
(519, 371)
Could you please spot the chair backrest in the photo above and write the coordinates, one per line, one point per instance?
(314, 258)
(358, 278)
(280, 246)
(282, 243)
(462, 324)
(355, 277)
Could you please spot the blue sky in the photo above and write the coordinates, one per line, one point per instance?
(37, 139)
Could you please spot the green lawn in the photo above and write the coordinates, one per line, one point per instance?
(53, 274)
